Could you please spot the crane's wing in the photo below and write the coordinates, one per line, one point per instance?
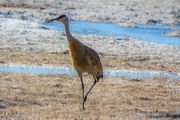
(94, 62)
(86, 60)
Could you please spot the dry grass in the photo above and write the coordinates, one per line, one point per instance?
(17, 5)
(114, 61)
(59, 97)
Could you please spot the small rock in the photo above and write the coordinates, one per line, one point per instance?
(65, 52)
(136, 15)
(152, 21)
(56, 85)
(45, 28)
(2, 62)
(7, 79)
(42, 8)
(2, 107)
(53, 14)
(9, 13)
(23, 17)
(130, 9)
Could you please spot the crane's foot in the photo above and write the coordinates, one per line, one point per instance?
(84, 101)
(84, 107)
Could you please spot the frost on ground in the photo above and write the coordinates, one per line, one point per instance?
(124, 12)
(23, 38)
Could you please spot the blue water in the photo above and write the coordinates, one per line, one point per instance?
(32, 70)
(151, 32)
(107, 73)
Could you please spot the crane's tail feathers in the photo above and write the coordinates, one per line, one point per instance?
(98, 77)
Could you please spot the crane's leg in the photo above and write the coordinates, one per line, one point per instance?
(85, 98)
(82, 85)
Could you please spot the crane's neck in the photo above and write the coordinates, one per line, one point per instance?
(68, 34)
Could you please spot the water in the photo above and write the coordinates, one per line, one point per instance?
(152, 33)
(35, 70)
(68, 71)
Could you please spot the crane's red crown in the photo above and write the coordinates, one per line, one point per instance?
(61, 16)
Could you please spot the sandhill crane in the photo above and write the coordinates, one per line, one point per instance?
(83, 58)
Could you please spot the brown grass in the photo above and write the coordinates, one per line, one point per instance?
(55, 58)
(59, 97)
(17, 5)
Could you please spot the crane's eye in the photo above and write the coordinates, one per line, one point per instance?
(62, 16)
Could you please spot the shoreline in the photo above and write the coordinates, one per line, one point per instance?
(64, 70)
(30, 43)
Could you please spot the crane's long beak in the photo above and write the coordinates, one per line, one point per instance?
(52, 20)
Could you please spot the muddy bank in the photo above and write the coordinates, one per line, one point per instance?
(56, 59)
(64, 70)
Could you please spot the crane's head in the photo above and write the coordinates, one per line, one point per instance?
(62, 18)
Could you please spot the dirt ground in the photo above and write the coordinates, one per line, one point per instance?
(59, 97)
